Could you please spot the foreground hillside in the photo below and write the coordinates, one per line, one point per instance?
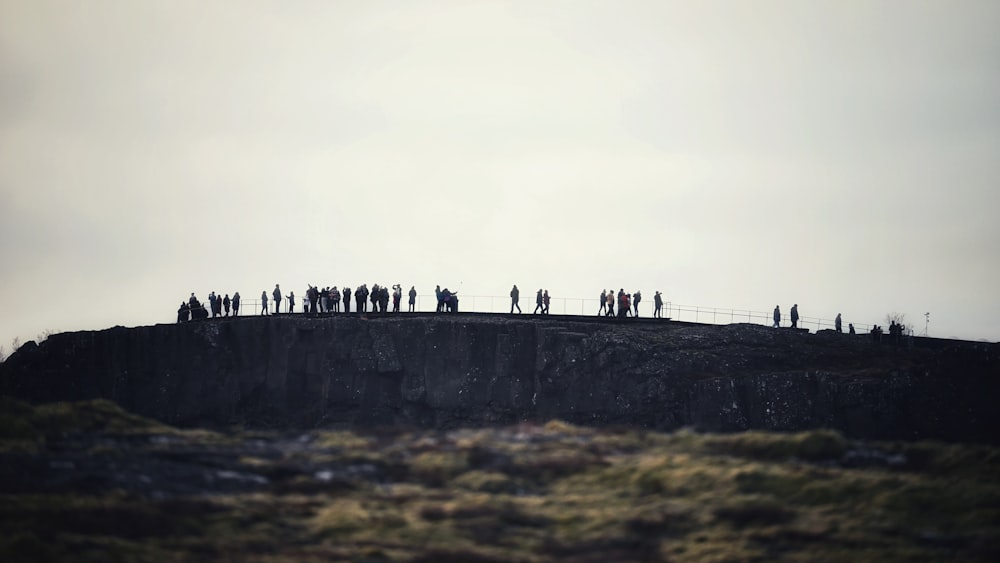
(90, 482)
(460, 371)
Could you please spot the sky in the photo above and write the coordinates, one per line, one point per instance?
(841, 155)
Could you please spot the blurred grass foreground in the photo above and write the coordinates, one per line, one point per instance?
(90, 482)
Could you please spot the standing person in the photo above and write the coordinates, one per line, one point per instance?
(397, 296)
(324, 300)
(236, 303)
(225, 303)
(657, 305)
(182, 312)
(376, 294)
(777, 317)
(346, 298)
(413, 299)
(291, 302)
(263, 302)
(440, 300)
(638, 298)
(611, 303)
(313, 296)
(335, 297)
(836, 324)
(538, 302)
(515, 299)
(277, 298)
(795, 315)
(361, 295)
(604, 303)
(545, 301)
(211, 302)
(850, 328)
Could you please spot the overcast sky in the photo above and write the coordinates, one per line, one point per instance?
(842, 155)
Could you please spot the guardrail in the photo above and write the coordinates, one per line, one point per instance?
(577, 306)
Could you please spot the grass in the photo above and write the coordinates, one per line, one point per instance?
(530, 493)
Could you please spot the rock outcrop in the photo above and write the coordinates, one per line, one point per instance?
(447, 371)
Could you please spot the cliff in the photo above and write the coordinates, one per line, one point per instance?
(448, 371)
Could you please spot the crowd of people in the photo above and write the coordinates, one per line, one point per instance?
(193, 309)
(316, 300)
(896, 333)
(333, 300)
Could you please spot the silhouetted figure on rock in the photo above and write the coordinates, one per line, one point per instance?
(794, 316)
(236, 303)
(440, 299)
(637, 297)
(836, 324)
(604, 303)
(226, 303)
(312, 300)
(611, 303)
(539, 306)
(413, 299)
(545, 302)
(291, 302)
(777, 317)
(515, 299)
(346, 298)
(263, 302)
(277, 299)
(383, 299)
(657, 305)
(183, 312)
(361, 296)
(450, 300)
(198, 311)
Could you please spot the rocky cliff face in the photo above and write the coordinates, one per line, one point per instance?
(466, 370)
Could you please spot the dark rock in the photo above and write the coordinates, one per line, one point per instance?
(474, 370)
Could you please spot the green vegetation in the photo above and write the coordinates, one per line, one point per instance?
(526, 493)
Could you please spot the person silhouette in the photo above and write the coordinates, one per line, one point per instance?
(777, 317)
(515, 298)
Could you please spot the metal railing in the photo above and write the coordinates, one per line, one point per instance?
(572, 306)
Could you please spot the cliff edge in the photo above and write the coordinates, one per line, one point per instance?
(448, 371)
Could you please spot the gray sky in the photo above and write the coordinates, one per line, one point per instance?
(841, 155)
